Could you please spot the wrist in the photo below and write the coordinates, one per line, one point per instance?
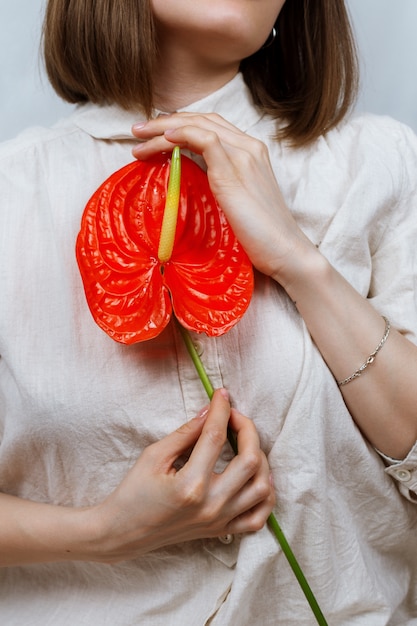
(96, 530)
(86, 533)
(110, 536)
(308, 270)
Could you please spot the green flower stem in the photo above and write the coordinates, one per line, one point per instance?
(196, 360)
(203, 377)
(272, 522)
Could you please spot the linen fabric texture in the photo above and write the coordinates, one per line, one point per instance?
(77, 409)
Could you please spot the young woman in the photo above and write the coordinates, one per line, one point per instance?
(101, 521)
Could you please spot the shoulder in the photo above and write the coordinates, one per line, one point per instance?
(368, 150)
(363, 142)
(34, 139)
(75, 136)
(373, 125)
(373, 137)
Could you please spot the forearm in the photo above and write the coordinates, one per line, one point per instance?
(155, 504)
(344, 325)
(32, 532)
(346, 329)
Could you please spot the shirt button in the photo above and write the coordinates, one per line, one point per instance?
(403, 475)
(226, 539)
(198, 345)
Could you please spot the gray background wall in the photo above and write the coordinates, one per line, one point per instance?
(386, 33)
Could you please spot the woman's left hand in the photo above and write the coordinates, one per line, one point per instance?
(242, 180)
(344, 325)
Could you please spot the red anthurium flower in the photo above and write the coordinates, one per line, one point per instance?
(207, 280)
(135, 276)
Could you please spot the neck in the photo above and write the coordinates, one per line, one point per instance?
(181, 79)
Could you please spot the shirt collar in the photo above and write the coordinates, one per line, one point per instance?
(233, 101)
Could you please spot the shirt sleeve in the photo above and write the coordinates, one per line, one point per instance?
(393, 289)
(394, 269)
(404, 473)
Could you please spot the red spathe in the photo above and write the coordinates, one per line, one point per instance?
(208, 280)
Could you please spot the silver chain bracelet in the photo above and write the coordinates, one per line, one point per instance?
(371, 357)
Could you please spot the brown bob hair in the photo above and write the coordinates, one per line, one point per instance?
(104, 51)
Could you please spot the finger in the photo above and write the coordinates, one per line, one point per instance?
(247, 474)
(225, 170)
(194, 138)
(166, 451)
(245, 480)
(249, 455)
(177, 129)
(212, 439)
(256, 490)
(251, 507)
(157, 145)
(252, 520)
(157, 126)
(231, 160)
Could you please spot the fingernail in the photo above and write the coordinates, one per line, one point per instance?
(203, 412)
(271, 479)
(138, 125)
(225, 394)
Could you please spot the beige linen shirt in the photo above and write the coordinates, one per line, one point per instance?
(77, 409)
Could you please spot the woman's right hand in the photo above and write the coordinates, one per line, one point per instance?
(157, 505)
